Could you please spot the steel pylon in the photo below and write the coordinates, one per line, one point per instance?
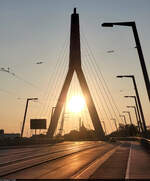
(75, 66)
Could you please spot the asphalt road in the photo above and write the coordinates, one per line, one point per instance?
(10, 155)
(76, 160)
(59, 161)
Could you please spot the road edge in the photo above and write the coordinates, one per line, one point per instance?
(85, 173)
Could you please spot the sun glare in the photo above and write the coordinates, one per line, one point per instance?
(76, 104)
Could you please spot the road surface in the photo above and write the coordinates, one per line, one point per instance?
(91, 159)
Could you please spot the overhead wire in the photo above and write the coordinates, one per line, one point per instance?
(56, 96)
(88, 60)
(57, 85)
(98, 92)
(107, 88)
(18, 77)
(8, 92)
(52, 78)
(90, 71)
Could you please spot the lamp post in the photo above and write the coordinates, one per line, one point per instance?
(138, 98)
(104, 127)
(129, 116)
(25, 113)
(142, 125)
(115, 123)
(124, 119)
(138, 124)
(139, 49)
(52, 111)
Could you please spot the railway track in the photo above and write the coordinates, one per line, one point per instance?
(37, 153)
(13, 156)
(30, 149)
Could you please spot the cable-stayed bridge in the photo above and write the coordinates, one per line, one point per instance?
(113, 158)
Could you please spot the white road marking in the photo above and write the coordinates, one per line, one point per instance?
(90, 169)
(127, 176)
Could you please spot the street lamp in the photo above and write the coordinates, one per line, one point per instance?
(142, 126)
(129, 116)
(52, 112)
(138, 98)
(115, 123)
(139, 49)
(124, 119)
(104, 127)
(138, 124)
(27, 102)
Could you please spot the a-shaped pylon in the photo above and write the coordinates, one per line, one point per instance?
(75, 66)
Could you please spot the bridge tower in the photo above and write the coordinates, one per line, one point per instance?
(75, 66)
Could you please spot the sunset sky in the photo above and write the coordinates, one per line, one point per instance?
(38, 31)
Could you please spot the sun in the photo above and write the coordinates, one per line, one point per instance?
(76, 104)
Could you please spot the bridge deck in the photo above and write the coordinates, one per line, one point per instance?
(130, 161)
(140, 162)
(79, 160)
